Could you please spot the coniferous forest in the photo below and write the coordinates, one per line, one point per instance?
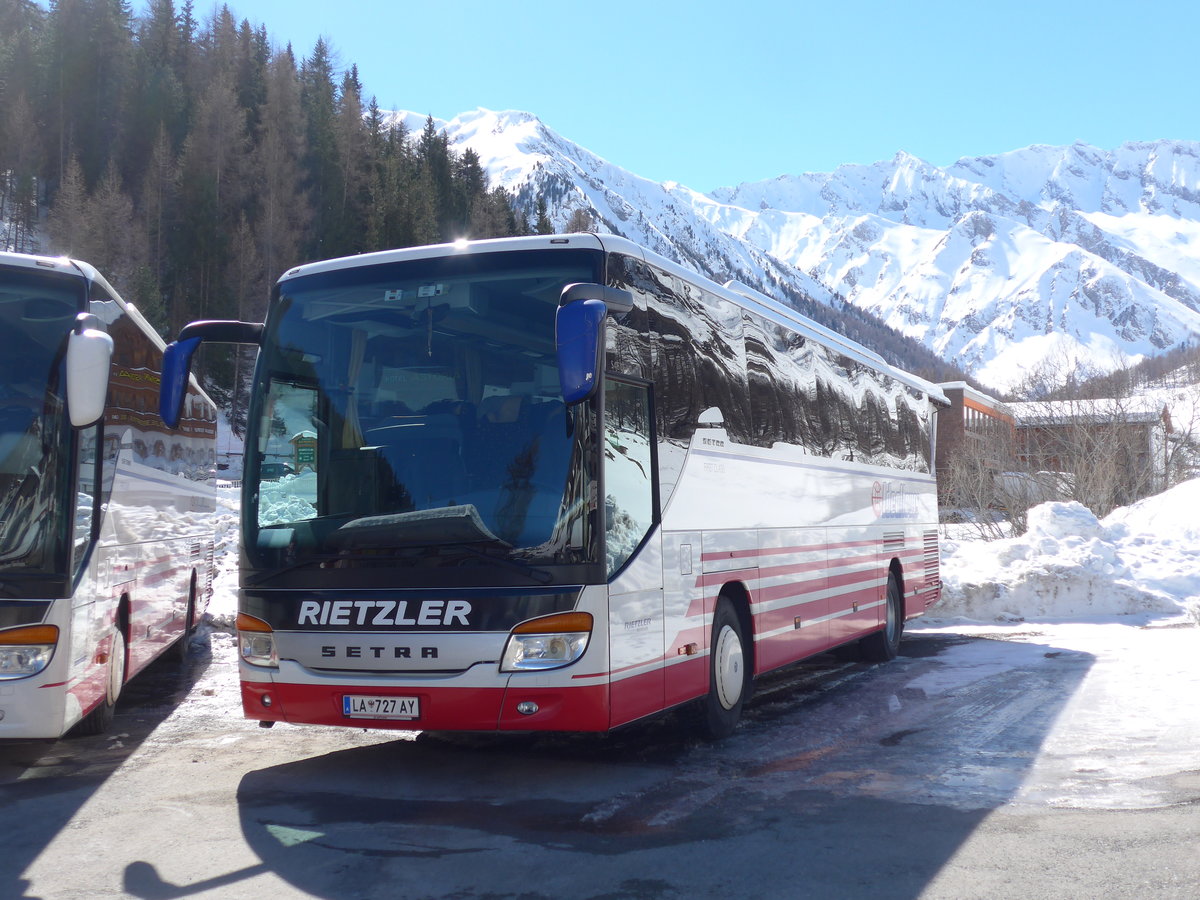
(193, 161)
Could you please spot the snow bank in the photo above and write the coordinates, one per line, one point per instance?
(292, 498)
(1141, 559)
(222, 606)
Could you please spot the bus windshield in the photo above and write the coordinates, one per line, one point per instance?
(37, 310)
(409, 416)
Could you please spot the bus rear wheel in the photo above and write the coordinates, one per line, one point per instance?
(884, 644)
(183, 645)
(729, 676)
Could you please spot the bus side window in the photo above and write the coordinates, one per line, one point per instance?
(628, 470)
(85, 491)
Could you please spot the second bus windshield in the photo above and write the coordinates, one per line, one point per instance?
(413, 411)
(37, 311)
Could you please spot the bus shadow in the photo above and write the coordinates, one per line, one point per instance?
(852, 780)
(43, 784)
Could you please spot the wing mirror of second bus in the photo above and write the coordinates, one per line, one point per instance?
(579, 336)
(89, 352)
(177, 359)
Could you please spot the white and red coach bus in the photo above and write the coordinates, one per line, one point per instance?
(106, 537)
(561, 483)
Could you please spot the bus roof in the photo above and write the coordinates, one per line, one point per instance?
(734, 291)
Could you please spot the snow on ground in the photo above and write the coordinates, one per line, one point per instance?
(1122, 592)
(1142, 559)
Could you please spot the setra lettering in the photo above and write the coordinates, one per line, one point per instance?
(332, 651)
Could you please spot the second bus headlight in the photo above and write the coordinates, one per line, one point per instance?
(26, 650)
(256, 641)
(547, 643)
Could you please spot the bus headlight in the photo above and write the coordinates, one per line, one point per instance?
(26, 650)
(547, 643)
(256, 641)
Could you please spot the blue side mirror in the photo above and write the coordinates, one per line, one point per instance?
(177, 365)
(177, 359)
(579, 337)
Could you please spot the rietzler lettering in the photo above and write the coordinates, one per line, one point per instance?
(384, 613)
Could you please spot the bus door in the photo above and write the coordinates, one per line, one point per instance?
(633, 551)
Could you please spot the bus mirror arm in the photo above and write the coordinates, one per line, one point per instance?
(615, 300)
(177, 359)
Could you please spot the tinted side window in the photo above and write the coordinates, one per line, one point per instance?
(628, 343)
(699, 358)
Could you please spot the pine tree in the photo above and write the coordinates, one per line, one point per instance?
(118, 252)
(22, 26)
(211, 189)
(68, 224)
(93, 43)
(581, 221)
(158, 200)
(352, 141)
(284, 213)
(469, 184)
(156, 97)
(321, 160)
(18, 174)
(543, 225)
(247, 282)
(434, 186)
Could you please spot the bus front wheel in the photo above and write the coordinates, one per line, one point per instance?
(100, 719)
(729, 676)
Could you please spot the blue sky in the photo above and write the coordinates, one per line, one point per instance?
(711, 94)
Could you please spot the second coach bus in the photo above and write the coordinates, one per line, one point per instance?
(106, 531)
(560, 483)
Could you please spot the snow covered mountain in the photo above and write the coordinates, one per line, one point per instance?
(994, 263)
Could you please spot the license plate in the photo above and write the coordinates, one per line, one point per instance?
(356, 706)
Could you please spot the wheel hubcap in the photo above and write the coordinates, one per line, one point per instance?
(728, 669)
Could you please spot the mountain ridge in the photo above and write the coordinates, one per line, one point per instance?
(995, 264)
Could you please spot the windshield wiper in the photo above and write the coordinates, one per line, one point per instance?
(298, 564)
(540, 575)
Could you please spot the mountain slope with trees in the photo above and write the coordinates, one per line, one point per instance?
(194, 161)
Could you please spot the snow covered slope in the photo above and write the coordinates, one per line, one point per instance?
(999, 262)
(525, 157)
(994, 263)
